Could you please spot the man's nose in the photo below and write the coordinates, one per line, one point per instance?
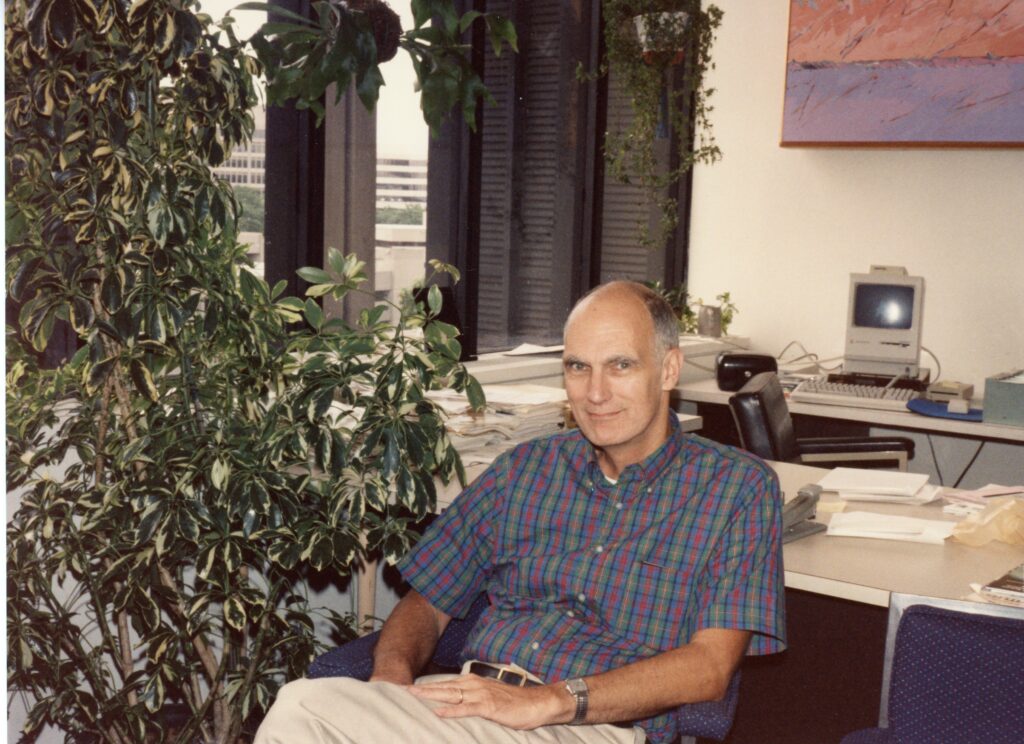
(597, 387)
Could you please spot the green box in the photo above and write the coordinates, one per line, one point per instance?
(1004, 399)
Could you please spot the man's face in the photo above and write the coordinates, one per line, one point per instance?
(615, 381)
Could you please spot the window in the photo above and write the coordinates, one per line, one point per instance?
(400, 231)
(527, 211)
(522, 206)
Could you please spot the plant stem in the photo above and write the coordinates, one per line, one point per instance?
(206, 655)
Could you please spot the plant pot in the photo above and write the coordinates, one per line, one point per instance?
(661, 34)
(709, 321)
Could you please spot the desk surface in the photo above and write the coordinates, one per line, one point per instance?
(866, 570)
(706, 391)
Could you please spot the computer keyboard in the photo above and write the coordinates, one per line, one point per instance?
(857, 396)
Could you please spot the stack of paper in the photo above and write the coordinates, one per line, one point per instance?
(861, 484)
(514, 413)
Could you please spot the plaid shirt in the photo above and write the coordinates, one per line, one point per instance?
(585, 575)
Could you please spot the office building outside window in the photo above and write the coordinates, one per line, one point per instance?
(401, 174)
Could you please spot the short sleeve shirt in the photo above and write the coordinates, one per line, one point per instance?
(585, 575)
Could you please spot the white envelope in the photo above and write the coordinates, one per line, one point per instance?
(927, 494)
(864, 480)
(888, 527)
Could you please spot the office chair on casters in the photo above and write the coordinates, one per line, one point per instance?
(766, 429)
(954, 671)
(710, 720)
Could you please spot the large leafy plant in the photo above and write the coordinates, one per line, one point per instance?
(213, 445)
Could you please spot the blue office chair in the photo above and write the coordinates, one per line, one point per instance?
(954, 672)
(710, 720)
(766, 429)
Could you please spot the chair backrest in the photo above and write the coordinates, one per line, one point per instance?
(762, 418)
(954, 671)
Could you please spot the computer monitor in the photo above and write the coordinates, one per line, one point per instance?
(883, 323)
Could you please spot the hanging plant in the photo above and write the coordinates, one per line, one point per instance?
(345, 41)
(646, 41)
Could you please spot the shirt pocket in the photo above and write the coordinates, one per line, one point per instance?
(647, 599)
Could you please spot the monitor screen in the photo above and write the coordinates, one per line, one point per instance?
(883, 306)
(883, 323)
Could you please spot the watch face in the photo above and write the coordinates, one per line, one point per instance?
(576, 685)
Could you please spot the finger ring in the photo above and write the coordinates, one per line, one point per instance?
(462, 696)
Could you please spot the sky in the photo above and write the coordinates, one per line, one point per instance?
(401, 131)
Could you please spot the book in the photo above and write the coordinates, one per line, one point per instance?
(1008, 586)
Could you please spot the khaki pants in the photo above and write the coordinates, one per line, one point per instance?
(339, 710)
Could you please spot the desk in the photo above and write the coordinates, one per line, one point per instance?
(866, 570)
(828, 681)
(706, 391)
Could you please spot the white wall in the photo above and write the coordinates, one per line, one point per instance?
(782, 228)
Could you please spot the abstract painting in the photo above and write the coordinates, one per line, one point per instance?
(905, 72)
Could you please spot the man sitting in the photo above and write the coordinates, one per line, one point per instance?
(629, 567)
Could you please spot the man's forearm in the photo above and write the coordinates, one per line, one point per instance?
(697, 672)
(407, 639)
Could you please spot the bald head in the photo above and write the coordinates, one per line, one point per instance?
(664, 324)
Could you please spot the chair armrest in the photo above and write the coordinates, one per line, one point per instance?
(845, 445)
(713, 719)
(353, 659)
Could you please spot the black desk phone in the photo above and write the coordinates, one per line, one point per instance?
(796, 514)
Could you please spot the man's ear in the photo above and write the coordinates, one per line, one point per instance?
(671, 365)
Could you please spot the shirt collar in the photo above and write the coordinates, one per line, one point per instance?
(647, 470)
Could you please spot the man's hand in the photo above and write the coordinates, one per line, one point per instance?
(514, 707)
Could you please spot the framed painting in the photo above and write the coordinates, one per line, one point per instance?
(905, 72)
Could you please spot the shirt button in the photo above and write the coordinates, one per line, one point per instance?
(535, 646)
(650, 490)
(599, 548)
(581, 597)
(570, 613)
(618, 505)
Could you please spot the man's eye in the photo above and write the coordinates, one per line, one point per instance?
(624, 365)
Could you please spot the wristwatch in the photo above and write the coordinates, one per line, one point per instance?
(578, 689)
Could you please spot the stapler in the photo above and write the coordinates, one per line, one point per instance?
(798, 513)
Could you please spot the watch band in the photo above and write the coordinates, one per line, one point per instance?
(578, 689)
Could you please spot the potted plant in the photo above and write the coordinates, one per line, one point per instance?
(645, 42)
(212, 446)
(689, 313)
